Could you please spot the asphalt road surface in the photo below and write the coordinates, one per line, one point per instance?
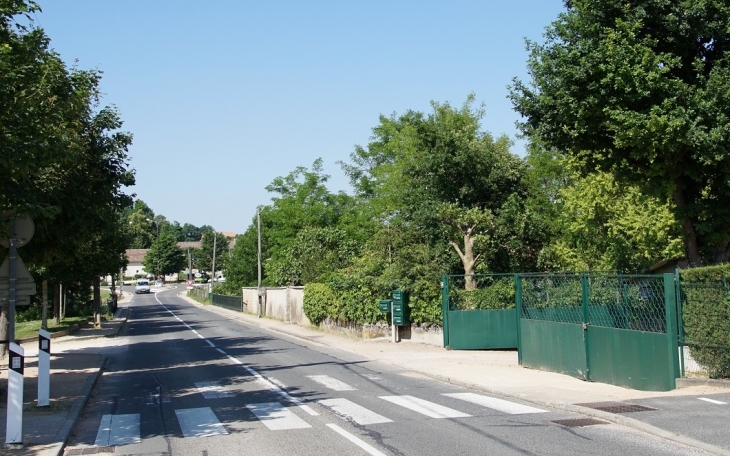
(186, 381)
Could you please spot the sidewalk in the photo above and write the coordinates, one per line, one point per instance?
(75, 370)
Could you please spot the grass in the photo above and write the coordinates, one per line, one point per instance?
(26, 329)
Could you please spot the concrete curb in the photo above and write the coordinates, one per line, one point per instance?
(74, 412)
(687, 382)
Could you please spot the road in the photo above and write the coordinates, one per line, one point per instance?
(186, 381)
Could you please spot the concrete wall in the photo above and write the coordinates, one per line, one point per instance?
(283, 303)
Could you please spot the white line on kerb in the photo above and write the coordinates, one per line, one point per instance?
(369, 448)
(712, 401)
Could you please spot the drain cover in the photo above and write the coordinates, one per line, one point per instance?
(580, 422)
(616, 407)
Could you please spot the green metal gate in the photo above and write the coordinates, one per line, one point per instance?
(611, 328)
(479, 311)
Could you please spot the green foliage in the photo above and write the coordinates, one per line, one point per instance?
(706, 317)
(164, 256)
(492, 292)
(639, 89)
(319, 303)
(204, 255)
(602, 225)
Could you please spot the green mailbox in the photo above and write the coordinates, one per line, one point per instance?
(385, 306)
(401, 311)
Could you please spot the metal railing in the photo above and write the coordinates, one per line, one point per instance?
(227, 302)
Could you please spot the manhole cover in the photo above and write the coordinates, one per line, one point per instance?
(578, 422)
(616, 407)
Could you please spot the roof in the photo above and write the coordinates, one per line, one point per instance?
(229, 234)
(189, 245)
(136, 255)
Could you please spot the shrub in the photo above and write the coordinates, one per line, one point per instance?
(319, 302)
(706, 317)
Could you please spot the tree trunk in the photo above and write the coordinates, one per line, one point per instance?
(469, 262)
(3, 330)
(691, 249)
(56, 304)
(44, 304)
(97, 302)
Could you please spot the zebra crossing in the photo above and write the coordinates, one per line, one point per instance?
(124, 429)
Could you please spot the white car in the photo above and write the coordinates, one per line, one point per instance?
(142, 286)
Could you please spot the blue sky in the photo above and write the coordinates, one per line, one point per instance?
(224, 96)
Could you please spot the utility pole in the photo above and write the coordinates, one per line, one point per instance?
(215, 238)
(258, 230)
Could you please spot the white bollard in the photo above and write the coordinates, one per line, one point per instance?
(14, 428)
(44, 368)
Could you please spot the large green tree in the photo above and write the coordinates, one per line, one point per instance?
(164, 257)
(641, 89)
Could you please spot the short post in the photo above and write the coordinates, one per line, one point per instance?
(392, 324)
(44, 368)
(14, 422)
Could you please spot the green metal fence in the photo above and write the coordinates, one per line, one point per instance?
(479, 311)
(611, 328)
(704, 329)
(201, 293)
(228, 302)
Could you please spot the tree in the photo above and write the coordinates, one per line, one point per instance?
(606, 226)
(164, 257)
(204, 255)
(641, 89)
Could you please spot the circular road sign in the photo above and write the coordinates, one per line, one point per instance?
(24, 230)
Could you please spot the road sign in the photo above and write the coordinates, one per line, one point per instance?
(21, 288)
(21, 272)
(24, 230)
(21, 300)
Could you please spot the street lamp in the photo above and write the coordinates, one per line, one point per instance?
(157, 223)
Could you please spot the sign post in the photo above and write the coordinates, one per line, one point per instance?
(44, 368)
(18, 284)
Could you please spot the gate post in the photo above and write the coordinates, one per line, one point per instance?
(445, 307)
(585, 298)
(518, 313)
(670, 306)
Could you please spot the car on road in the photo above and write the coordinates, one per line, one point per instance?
(142, 286)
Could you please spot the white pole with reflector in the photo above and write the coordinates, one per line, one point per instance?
(44, 368)
(14, 428)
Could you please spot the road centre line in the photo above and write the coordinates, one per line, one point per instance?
(362, 444)
(210, 343)
(258, 376)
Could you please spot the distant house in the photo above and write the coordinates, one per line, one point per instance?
(134, 267)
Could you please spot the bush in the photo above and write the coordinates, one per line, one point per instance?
(319, 303)
(706, 317)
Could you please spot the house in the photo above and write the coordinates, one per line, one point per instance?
(669, 265)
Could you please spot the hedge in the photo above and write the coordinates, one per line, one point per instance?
(706, 317)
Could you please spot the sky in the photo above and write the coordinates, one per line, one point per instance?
(223, 96)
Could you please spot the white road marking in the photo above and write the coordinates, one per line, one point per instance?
(283, 393)
(210, 343)
(212, 390)
(425, 407)
(513, 408)
(221, 352)
(118, 430)
(353, 412)
(199, 422)
(277, 417)
(331, 383)
(712, 401)
(258, 376)
(369, 448)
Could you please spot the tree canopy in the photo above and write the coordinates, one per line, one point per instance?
(639, 89)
